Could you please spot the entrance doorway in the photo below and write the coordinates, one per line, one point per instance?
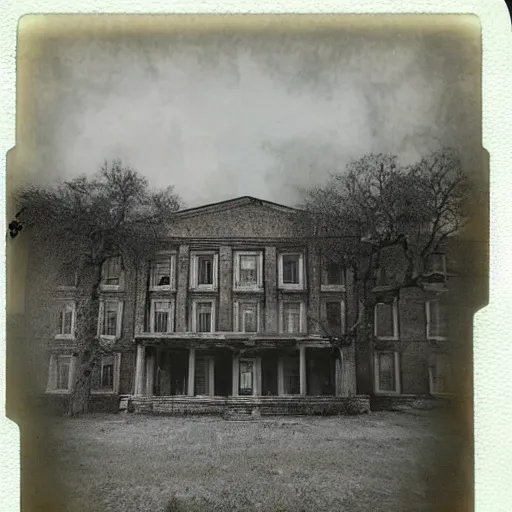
(246, 386)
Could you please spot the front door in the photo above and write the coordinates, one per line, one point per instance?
(246, 377)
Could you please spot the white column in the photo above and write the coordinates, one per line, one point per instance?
(139, 371)
(211, 376)
(256, 390)
(280, 376)
(191, 372)
(150, 373)
(302, 370)
(338, 372)
(236, 374)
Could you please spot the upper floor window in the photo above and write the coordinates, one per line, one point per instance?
(333, 275)
(66, 321)
(248, 270)
(60, 373)
(111, 272)
(162, 313)
(291, 271)
(387, 372)
(437, 263)
(162, 273)
(67, 276)
(436, 319)
(110, 318)
(203, 316)
(335, 316)
(247, 316)
(386, 320)
(292, 317)
(204, 269)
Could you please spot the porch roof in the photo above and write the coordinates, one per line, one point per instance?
(231, 340)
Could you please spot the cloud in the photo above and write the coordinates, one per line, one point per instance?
(225, 114)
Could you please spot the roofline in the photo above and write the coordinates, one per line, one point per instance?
(197, 209)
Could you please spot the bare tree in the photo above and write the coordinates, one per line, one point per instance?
(87, 221)
(380, 210)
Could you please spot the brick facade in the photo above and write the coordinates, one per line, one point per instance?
(198, 369)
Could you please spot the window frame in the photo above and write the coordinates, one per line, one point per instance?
(62, 305)
(116, 374)
(343, 311)
(302, 315)
(301, 285)
(170, 314)
(171, 257)
(236, 315)
(194, 271)
(213, 315)
(396, 333)
(324, 274)
(237, 286)
(119, 319)
(428, 320)
(69, 287)
(431, 271)
(396, 363)
(112, 287)
(51, 385)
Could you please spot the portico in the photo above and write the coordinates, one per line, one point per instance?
(237, 368)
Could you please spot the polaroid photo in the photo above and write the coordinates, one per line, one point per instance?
(245, 250)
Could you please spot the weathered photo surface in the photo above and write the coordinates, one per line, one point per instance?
(243, 262)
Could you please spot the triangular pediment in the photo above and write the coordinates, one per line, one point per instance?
(244, 217)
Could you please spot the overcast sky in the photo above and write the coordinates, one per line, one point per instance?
(231, 113)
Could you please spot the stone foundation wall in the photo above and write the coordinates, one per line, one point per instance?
(59, 404)
(260, 406)
(401, 402)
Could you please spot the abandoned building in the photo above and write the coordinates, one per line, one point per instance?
(237, 312)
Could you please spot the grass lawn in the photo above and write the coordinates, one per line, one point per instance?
(378, 462)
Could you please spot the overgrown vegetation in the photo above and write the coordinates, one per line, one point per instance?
(85, 222)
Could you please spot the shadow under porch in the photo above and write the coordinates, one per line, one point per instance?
(226, 372)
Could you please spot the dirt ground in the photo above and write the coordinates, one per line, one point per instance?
(377, 462)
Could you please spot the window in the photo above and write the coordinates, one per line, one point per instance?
(247, 316)
(105, 374)
(162, 273)
(437, 321)
(66, 321)
(291, 271)
(203, 316)
(111, 272)
(333, 275)
(162, 315)
(60, 373)
(334, 315)
(67, 276)
(110, 318)
(440, 375)
(248, 270)
(386, 320)
(203, 272)
(291, 317)
(385, 276)
(437, 263)
(387, 376)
